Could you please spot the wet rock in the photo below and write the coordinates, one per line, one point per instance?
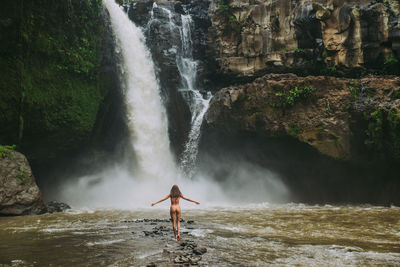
(194, 259)
(55, 206)
(182, 259)
(19, 194)
(200, 250)
(147, 233)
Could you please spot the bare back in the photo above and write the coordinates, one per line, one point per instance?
(175, 204)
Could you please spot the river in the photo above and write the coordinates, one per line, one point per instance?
(248, 235)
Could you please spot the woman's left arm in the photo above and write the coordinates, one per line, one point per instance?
(188, 199)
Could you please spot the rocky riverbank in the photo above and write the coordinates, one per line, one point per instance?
(186, 252)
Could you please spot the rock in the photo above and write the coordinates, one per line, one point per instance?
(147, 233)
(200, 250)
(283, 36)
(329, 119)
(54, 206)
(19, 194)
(194, 259)
(182, 259)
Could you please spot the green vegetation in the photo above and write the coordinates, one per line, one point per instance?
(22, 176)
(394, 132)
(354, 90)
(294, 130)
(295, 95)
(374, 132)
(328, 70)
(391, 65)
(321, 127)
(233, 25)
(327, 106)
(383, 133)
(50, 87)
(5, 151)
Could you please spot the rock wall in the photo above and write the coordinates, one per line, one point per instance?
(19, 194)
(252, 38)
(336, 116)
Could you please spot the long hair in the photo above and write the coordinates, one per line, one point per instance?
(175, 192)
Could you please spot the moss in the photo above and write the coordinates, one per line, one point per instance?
(374, 132)
(383, 134)
(5, 151)
(354, 90)
(391, 65)
(294, 130)
(50, 89)
(284, 100)
(394, 131)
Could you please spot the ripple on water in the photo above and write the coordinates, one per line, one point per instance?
(104, 242)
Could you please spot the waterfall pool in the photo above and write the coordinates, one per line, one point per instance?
(249, 235)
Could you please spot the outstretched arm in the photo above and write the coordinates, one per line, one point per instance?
(188, 199)
(161, 200)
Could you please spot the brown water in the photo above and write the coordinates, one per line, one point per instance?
(255, 235)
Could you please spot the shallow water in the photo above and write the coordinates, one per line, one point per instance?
(252, 235)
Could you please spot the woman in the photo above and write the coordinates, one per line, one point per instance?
(175, 209)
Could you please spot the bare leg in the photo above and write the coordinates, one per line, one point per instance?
(173, 218)
(178, 222)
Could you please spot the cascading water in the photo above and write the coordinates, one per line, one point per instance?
(147, 120)
(198, 103)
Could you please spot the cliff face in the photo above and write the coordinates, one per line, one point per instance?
(307, 37)
(341, 118)
(333, 131)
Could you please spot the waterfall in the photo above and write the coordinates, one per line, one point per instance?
(198, 102)
(146, 115)
(114, 185)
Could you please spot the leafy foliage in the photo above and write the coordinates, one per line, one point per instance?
(383, 133)
(50, 87)
(391, 65)
(233, 25)
(295, 95)
(354, 90)
(5, 151)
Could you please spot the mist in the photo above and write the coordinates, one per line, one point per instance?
(119, 187)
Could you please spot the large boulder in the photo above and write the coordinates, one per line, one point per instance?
(19, 194)
(341, 118)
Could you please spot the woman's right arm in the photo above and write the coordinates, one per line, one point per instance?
(188, 199)
(161, 200)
